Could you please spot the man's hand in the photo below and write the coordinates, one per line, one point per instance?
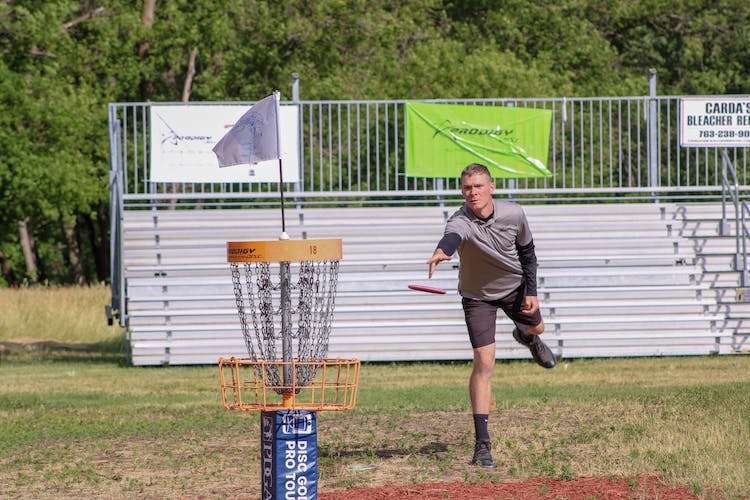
(530, 304)
(437, 257)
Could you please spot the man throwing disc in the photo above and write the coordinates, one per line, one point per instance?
(497, 271)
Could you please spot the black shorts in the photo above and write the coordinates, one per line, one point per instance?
(481, 316)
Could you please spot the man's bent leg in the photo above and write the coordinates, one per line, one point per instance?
(536, 330)
(541, 353)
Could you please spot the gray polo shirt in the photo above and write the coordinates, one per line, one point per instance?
(490, 267)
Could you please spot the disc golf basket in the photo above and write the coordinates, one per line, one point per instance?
(285, 292)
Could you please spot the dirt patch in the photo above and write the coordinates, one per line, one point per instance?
(642, 487)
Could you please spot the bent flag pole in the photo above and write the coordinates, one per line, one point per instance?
(256, 137)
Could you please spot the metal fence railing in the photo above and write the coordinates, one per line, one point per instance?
(731, 198)
(352, 152)
(599, 147)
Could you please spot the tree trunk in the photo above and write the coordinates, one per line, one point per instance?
(178, 187)
(29, 252)
(85, 17)
(147, 13)
(97, 232)
(7, 270)
(190, 74)
(74, 252)
(147, 20)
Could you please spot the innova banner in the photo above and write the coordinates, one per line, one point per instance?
(183, 137)
(441, 139)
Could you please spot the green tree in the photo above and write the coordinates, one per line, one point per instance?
(63, 61)
(47, 174)
(697, 46)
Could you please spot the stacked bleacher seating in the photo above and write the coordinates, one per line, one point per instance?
(614, 280)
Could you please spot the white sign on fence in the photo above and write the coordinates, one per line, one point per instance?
(715, 122)
(183, 136)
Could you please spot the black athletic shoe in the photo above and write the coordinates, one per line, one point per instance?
(541, 353)
(482, 456)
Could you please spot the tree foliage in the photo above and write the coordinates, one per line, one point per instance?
(63, 61)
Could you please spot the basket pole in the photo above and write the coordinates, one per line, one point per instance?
(286, 321)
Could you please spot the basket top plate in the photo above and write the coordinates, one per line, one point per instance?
(284, 250)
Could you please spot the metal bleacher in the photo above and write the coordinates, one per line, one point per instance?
(614, 280)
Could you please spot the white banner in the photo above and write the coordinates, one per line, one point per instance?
(183, 137)
(715, 122)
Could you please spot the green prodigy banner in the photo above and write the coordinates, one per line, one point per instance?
(441, 139)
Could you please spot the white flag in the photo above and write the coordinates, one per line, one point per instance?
(254, 138)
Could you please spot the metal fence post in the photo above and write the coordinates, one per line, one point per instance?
(295, 87)
(653, 132)
(116, 191)
(724, 226)
(295, 100)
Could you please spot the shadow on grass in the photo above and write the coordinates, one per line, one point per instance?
(110, 351)
(433, 448)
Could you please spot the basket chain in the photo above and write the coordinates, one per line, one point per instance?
(316, 291)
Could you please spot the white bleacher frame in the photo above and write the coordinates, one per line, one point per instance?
(660, 238)
(630, 291)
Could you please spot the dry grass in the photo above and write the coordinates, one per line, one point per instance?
(63, 314)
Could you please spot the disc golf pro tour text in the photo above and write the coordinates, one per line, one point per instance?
(296, 464)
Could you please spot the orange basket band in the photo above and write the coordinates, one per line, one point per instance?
(284, 250)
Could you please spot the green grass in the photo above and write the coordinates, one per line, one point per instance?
(79, 427)
(80, 423)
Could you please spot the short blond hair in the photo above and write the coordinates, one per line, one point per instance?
(474, 169)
